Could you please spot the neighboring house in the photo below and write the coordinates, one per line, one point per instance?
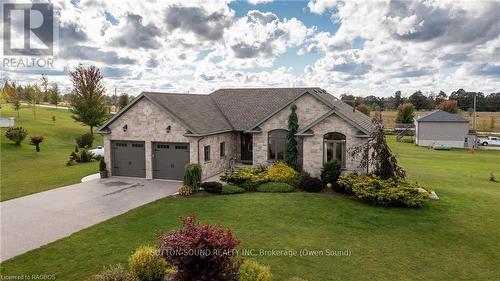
(443, 128)
(157, 134)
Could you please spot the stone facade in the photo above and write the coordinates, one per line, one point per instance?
(147, 122)
(313, 145)
(217, 163)
(308, 109)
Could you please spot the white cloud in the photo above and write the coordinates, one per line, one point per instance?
(257, 2)
(408, 43)
(321, 6)
(257, 39)
(199, 46)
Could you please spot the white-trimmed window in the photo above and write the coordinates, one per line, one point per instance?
(276, 145)
(334, 148)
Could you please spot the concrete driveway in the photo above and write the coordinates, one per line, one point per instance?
(32, 221)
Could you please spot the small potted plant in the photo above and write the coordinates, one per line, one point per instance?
(102, 168)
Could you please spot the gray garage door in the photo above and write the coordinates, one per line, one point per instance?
(169, 160)
(128, 158)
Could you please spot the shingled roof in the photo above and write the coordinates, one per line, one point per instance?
(241, 109)
(245, 108)
(199, 112)
(441, 116)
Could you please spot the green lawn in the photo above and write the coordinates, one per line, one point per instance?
(455, 238)
(23, 170)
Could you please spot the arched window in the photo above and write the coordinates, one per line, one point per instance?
(276, 145)
(334, 148)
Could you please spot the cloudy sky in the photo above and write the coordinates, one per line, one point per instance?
(358, 47)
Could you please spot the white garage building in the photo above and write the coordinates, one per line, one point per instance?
(443, 128)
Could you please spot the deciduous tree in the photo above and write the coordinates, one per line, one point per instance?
(376, 154)
(87, 96)
(54, 95)
(406, 113)
(123, 100)
(11, 95)
(365, 109)
(450, 106)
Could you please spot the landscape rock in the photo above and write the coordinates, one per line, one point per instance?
(421, 190)
(433, 196)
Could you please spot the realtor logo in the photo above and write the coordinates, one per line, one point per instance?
(28, 29)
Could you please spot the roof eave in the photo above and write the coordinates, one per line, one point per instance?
(207, 134)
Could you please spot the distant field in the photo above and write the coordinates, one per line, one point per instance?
(23, 170)
(484, 123)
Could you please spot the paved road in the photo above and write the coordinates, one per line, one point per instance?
(490, 147)
(32, 221)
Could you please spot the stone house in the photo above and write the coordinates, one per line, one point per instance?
(157, 134)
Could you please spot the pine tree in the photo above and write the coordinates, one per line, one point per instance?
(293, 127)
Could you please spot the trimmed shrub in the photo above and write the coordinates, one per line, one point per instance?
(281, 172)
(311, 184)
(192, 176)
(102, 165)
(84, 141)
(346, 182)
(331, 172)
(191, 250)
(185, 190)
(232, 189)
(379, 192)
(253, 271)
(16, 134)
(114, 273)
(74, 156)
(247, 178)
(36, 141)
(212, 187)
(85, 156)
(250, 186)
(147, 264)
(275, 187)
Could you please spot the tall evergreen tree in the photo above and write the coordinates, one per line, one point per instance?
(291, 149)
(87, 97)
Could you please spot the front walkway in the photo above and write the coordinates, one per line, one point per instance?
(32, 221)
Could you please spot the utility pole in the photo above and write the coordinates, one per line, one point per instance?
(474, 118)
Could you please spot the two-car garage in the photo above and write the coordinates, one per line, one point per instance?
(168, 159)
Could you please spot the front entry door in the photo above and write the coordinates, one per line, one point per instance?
(246, 148)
